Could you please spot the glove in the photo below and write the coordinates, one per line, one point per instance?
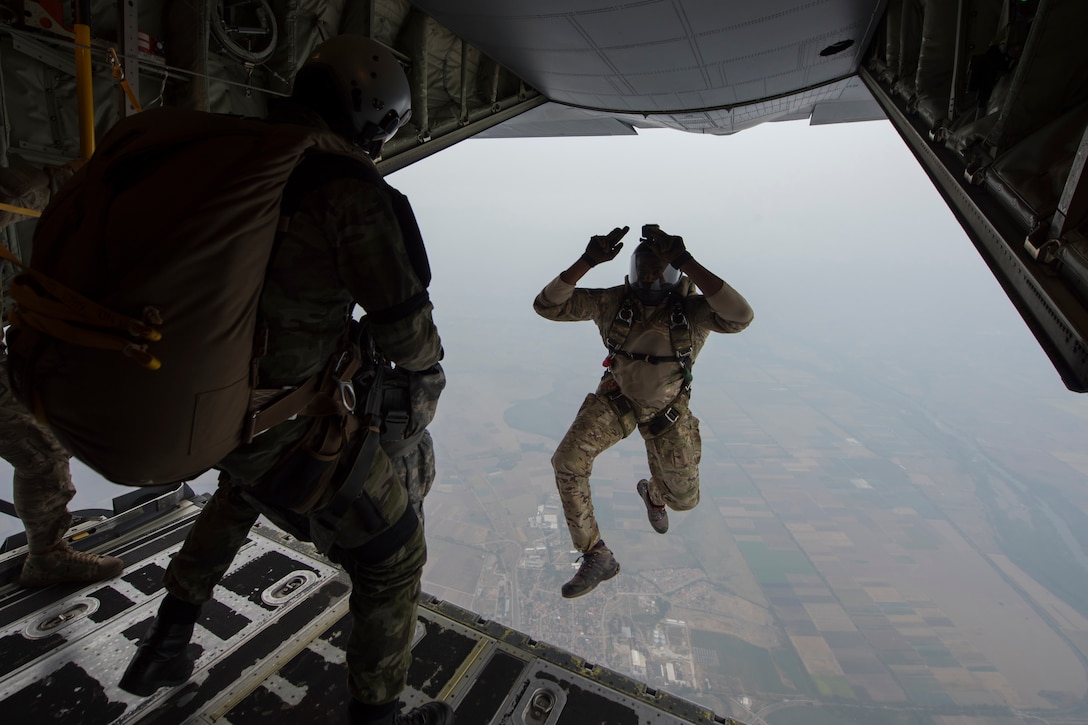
(668, 248)
(604, 248)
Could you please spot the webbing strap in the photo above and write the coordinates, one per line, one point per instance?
(306, 399)
(63, 313)
(269, 416)
(619, 401)
(352, 491)
(660, 422)
(682, 345)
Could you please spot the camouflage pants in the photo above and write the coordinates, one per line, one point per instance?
(673, 458)
(416, 469)
(42, 485)
(384, 593)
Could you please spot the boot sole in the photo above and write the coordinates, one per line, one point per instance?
(646, 502)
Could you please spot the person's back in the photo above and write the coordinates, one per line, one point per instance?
(351, 239)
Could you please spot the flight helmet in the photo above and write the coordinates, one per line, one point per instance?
(357, 85)
(651, 279)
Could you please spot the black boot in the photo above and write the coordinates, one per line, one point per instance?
(162, 659)
(429, 713)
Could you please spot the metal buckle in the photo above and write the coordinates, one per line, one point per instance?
(347, 395)
(671, 414)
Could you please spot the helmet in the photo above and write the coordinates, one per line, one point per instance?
(651, 279)
(359, 87)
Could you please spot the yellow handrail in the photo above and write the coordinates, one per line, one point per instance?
(19, 210)
(84, 83)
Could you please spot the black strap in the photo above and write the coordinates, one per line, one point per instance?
(680, 337)
(351, 493)
(652, 359)
(400, 310)
(382, 546)
(663, 420)
(619, 401)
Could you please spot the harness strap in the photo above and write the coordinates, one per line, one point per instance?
(663, 420)
(652, 359)
(325, 393)
(620, 401)
(396, 405)
(683, 345)
(351, 493)
(621, 326)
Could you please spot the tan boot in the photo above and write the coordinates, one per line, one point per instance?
(63, 564)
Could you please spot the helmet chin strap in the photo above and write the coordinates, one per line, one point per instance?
(373, 148)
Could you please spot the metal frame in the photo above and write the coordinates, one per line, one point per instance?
(448, 134)
(1055, 316)
(128, 35)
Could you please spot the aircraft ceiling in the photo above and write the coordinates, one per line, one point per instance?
(707, 66)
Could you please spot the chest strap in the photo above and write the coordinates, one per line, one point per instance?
(680, 336)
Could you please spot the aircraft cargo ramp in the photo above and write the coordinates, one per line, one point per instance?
(270, 646)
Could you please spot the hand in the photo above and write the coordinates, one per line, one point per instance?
(604, 248)
(669, 249)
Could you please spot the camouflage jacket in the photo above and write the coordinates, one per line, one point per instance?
(344, 246)
(650, 386)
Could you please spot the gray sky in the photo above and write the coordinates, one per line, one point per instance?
(833, 233)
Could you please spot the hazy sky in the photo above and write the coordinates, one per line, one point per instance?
(833, 233)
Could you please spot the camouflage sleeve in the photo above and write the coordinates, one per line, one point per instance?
(725, 311)
(376, 269)
(564, 302)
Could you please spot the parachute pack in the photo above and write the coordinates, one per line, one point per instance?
(133, 330)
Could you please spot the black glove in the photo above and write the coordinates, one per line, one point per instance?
(669, 249)
(604, 248)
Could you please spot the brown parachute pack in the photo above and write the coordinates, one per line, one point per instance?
(133, 329)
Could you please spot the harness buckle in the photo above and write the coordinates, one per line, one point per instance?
(671, 414)
(347, 395)
(626, 314)
(678, 318)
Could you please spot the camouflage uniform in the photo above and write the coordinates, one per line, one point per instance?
(674, 453)
(413, 454)
(344, 246)
(42, 485)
